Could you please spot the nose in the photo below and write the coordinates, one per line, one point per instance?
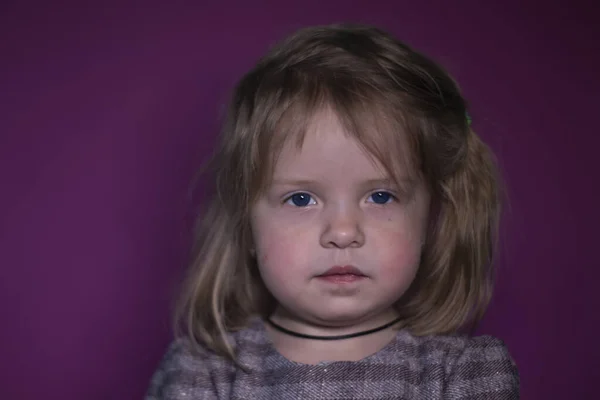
(342, 229)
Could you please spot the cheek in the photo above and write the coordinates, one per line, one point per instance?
(400, 259)
(282, 267)
(398, 249)
(281, 240)
(397, 269)
(279, 254)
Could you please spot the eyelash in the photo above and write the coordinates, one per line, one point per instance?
(288, 199)
(392, 197)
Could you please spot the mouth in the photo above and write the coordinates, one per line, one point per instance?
(342, 274)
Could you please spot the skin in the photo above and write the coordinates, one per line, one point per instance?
(330, 204)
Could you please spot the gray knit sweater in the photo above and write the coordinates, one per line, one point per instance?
(425, 368)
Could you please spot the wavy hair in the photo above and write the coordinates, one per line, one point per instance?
(405, 110)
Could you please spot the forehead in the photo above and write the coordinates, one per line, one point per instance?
(325, 149)
(335, 133)
(328, 141)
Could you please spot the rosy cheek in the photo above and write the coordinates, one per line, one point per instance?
(273, 252)
(281, 254)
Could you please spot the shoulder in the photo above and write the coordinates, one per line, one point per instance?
(462, 367)
(190, 370)
(464, 348)
(185, 371)
(478, 367)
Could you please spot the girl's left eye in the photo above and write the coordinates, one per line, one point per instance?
(381, 197)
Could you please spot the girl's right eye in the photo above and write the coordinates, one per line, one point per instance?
(300, 200)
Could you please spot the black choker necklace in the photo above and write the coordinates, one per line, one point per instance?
(339, 337)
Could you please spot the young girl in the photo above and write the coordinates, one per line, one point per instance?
(350, 236)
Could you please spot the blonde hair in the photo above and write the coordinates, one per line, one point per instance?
(405, 110)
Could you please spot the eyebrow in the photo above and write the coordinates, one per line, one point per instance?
(370, 182)
(293, 182)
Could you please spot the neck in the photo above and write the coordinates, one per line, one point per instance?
(314, 350)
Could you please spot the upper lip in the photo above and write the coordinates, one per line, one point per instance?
(343, 270)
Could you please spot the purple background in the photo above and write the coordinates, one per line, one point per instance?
(107, 111)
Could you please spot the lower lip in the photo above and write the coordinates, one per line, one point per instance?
(343, 278)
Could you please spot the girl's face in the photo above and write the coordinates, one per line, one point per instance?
(337, 242)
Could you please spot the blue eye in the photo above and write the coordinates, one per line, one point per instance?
(381, 197)
(300, 199)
